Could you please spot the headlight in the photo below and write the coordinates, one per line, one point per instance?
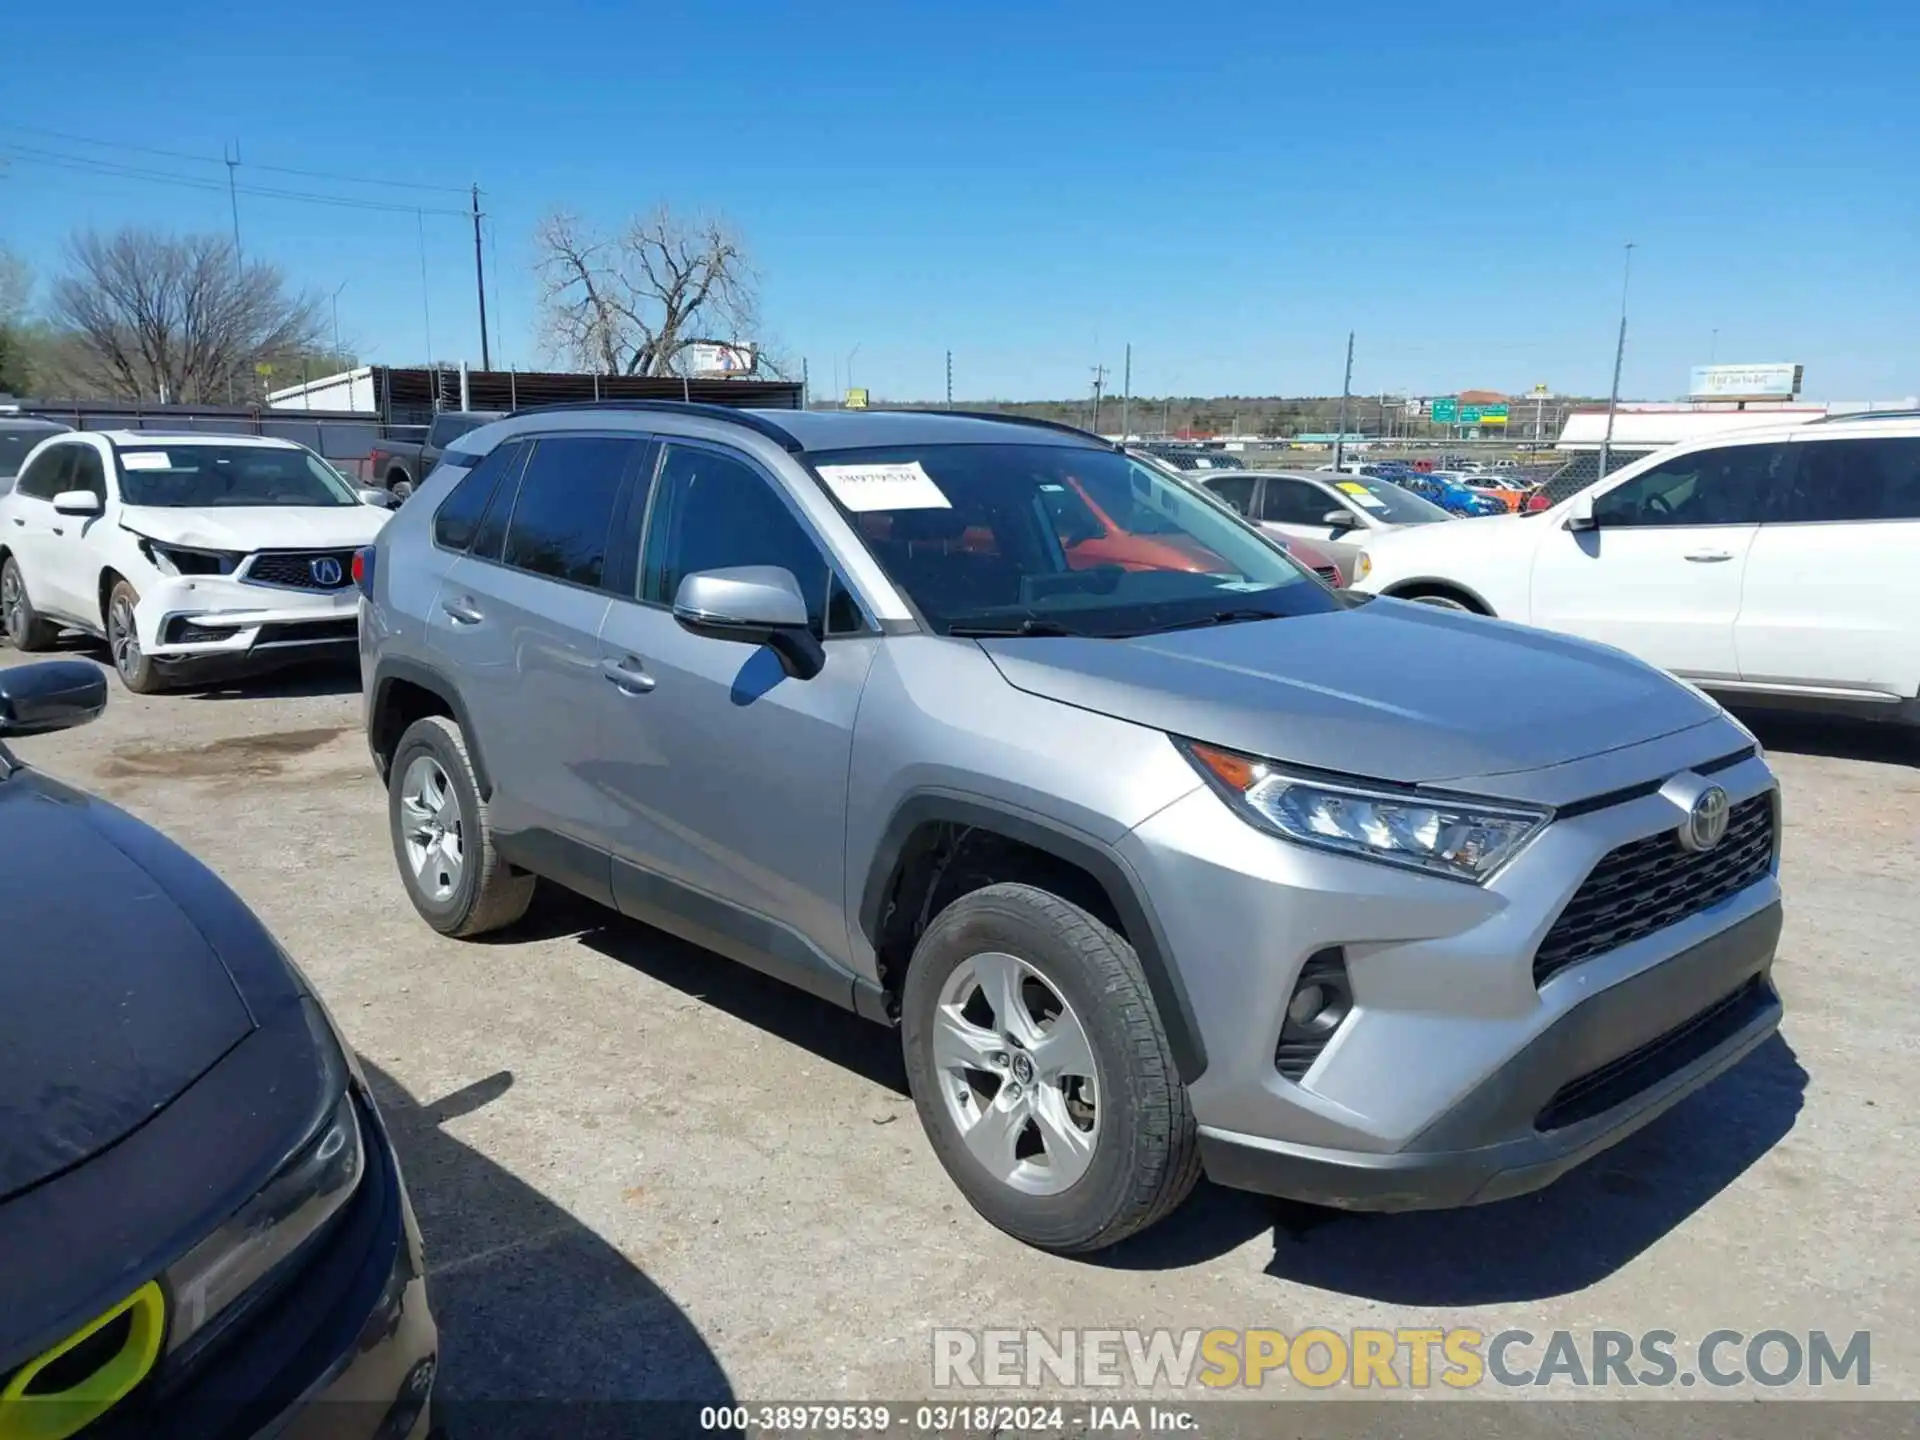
(1463, 840)
(209, 1282)
(1362, 566)
(187, 559)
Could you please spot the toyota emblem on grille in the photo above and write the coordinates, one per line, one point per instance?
(326, 571)
(1706, 823)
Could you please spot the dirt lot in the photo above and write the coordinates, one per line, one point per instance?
(643, 1171)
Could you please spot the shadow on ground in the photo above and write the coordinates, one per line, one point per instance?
(1837, 737)
(339, 676)
(785, 1013)
(545, 1328)
(1565, 1238)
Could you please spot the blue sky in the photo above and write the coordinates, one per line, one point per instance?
(1230, 188)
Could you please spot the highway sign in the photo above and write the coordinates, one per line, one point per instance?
(1470, 414)
(1445, 410)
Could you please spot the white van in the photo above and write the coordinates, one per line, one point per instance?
(1778, 565)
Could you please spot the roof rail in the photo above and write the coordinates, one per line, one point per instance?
(726, 414)
(1847, 415)
(1059, 425)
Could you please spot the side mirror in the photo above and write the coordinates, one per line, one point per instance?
(754, 605)
(1341, 519)
(76, 502)
(52, 695)
(382, 498)
(1580, 514)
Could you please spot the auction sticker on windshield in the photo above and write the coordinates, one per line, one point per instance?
(1362, 495)
(145, 460)
(884, 487)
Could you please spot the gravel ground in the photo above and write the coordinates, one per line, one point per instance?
(643, 1171)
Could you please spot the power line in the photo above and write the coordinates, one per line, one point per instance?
(87, 165)
(210, 160)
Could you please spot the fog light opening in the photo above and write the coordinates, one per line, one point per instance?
(1321, 1001)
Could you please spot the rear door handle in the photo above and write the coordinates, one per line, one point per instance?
(1710, 557)
(462, 611)
(628, 674)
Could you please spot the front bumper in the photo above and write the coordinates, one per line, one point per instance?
(210, 618)
(346, 1347)
(1418, 1098)
(1536, 1117)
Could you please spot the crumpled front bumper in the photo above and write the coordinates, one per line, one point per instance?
(210, 617)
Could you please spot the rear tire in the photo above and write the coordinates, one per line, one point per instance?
(136, 671)
(18, 619)
(1064, 1160)
(443, 837)
(401, 487)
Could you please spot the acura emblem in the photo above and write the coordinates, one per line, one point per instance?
(1706, 823)
(327, 572)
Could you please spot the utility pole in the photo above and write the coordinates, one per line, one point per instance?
(949, 379)
(806, 388)
(1346, 390)
(1099, 380)
(233, 199)
(1619, 354)
(1126, 398)
(480, 284)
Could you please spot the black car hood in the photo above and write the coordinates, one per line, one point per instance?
(112, 999)
(1389, 690)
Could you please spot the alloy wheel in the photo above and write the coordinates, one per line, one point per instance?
(123, 638)
(13, 602)
(1016, 1072)
(430, 828)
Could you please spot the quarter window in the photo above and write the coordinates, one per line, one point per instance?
(1868, 479)
(564, 509)
(1731, 485)
(458, 518)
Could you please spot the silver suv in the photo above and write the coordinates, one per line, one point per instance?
(1161, 856)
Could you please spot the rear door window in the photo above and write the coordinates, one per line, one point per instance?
(1294, 502)
(563, 513)
(1237, 492)
(1865, 479)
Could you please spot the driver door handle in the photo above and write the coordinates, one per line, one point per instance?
(462, 611)
(1709, 557)
(627, 674)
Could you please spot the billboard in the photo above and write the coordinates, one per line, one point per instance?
(1744, 382)
(706, 357)
(856, 398)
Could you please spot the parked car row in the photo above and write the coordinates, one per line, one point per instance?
(1159, 856)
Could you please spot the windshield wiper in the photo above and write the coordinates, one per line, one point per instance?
(1005, 632)
(1218, 617)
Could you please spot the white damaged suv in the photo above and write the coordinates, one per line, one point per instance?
(189, 555)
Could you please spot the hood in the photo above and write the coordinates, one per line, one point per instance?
(263, 527)
(1388, 690)
(112, 1002)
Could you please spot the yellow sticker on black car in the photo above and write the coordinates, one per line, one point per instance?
(68, 1387)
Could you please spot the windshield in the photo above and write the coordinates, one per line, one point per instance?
(196, 476)
(1388, 503)
(1053, 539)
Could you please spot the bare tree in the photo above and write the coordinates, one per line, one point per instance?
(151, 315)
(633, 303)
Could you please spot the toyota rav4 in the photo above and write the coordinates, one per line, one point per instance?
(1157, 868)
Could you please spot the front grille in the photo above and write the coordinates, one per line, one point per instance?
(1328, 573)
(1647, 885)
(308, 632)
(1619, 1080)
(294, 570)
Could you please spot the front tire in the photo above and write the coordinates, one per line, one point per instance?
(1042, 1073)
(443, 837)
(18, 618)
(136, 671)
(1442, 600)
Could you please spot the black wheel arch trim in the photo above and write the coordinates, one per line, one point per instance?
(1115, 878)
(390, 668)
(1398, 591)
